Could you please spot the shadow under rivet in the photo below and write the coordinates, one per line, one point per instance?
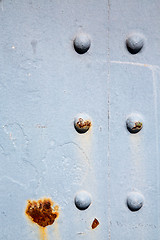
(82, 200)
(82, 43)
(134, 43)
(135, 201)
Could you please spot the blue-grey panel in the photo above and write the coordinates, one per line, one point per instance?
(134, 90)
(132, 17)
(134, 158)
(45, 84)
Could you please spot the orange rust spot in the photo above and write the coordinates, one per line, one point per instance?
(83, 124)
(41, 212)
(56, 208)
(95, 223)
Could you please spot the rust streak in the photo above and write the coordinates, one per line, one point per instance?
(43, 233)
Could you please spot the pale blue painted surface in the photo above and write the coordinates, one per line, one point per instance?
(44, 84)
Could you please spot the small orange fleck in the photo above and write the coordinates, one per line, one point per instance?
(56, 208)
(95, 223)
(41, 212)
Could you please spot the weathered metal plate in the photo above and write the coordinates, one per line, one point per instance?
(45, 85)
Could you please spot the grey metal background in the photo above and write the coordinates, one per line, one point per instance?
(44, 84)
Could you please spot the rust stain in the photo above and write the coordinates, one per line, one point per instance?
(42, 212)
(83, 123)
(137, 126)
(95, 223)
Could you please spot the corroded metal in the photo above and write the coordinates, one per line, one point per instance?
(82, 123)
(41, 212)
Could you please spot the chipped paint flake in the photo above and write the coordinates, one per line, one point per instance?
(95, 223)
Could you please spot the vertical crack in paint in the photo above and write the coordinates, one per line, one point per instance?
(155, 87)
(108, 149)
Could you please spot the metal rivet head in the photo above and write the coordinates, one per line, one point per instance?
(82, 43)
(82, 200)
(135, 201)
(134, 43)
(134, 123)
(82, 123)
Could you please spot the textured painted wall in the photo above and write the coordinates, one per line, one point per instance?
(66, 63)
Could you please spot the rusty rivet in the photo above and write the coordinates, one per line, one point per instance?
(82, 43)
(134, 123)
(82, 200)
(82, 123)
(134, 43)
(135, 201)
